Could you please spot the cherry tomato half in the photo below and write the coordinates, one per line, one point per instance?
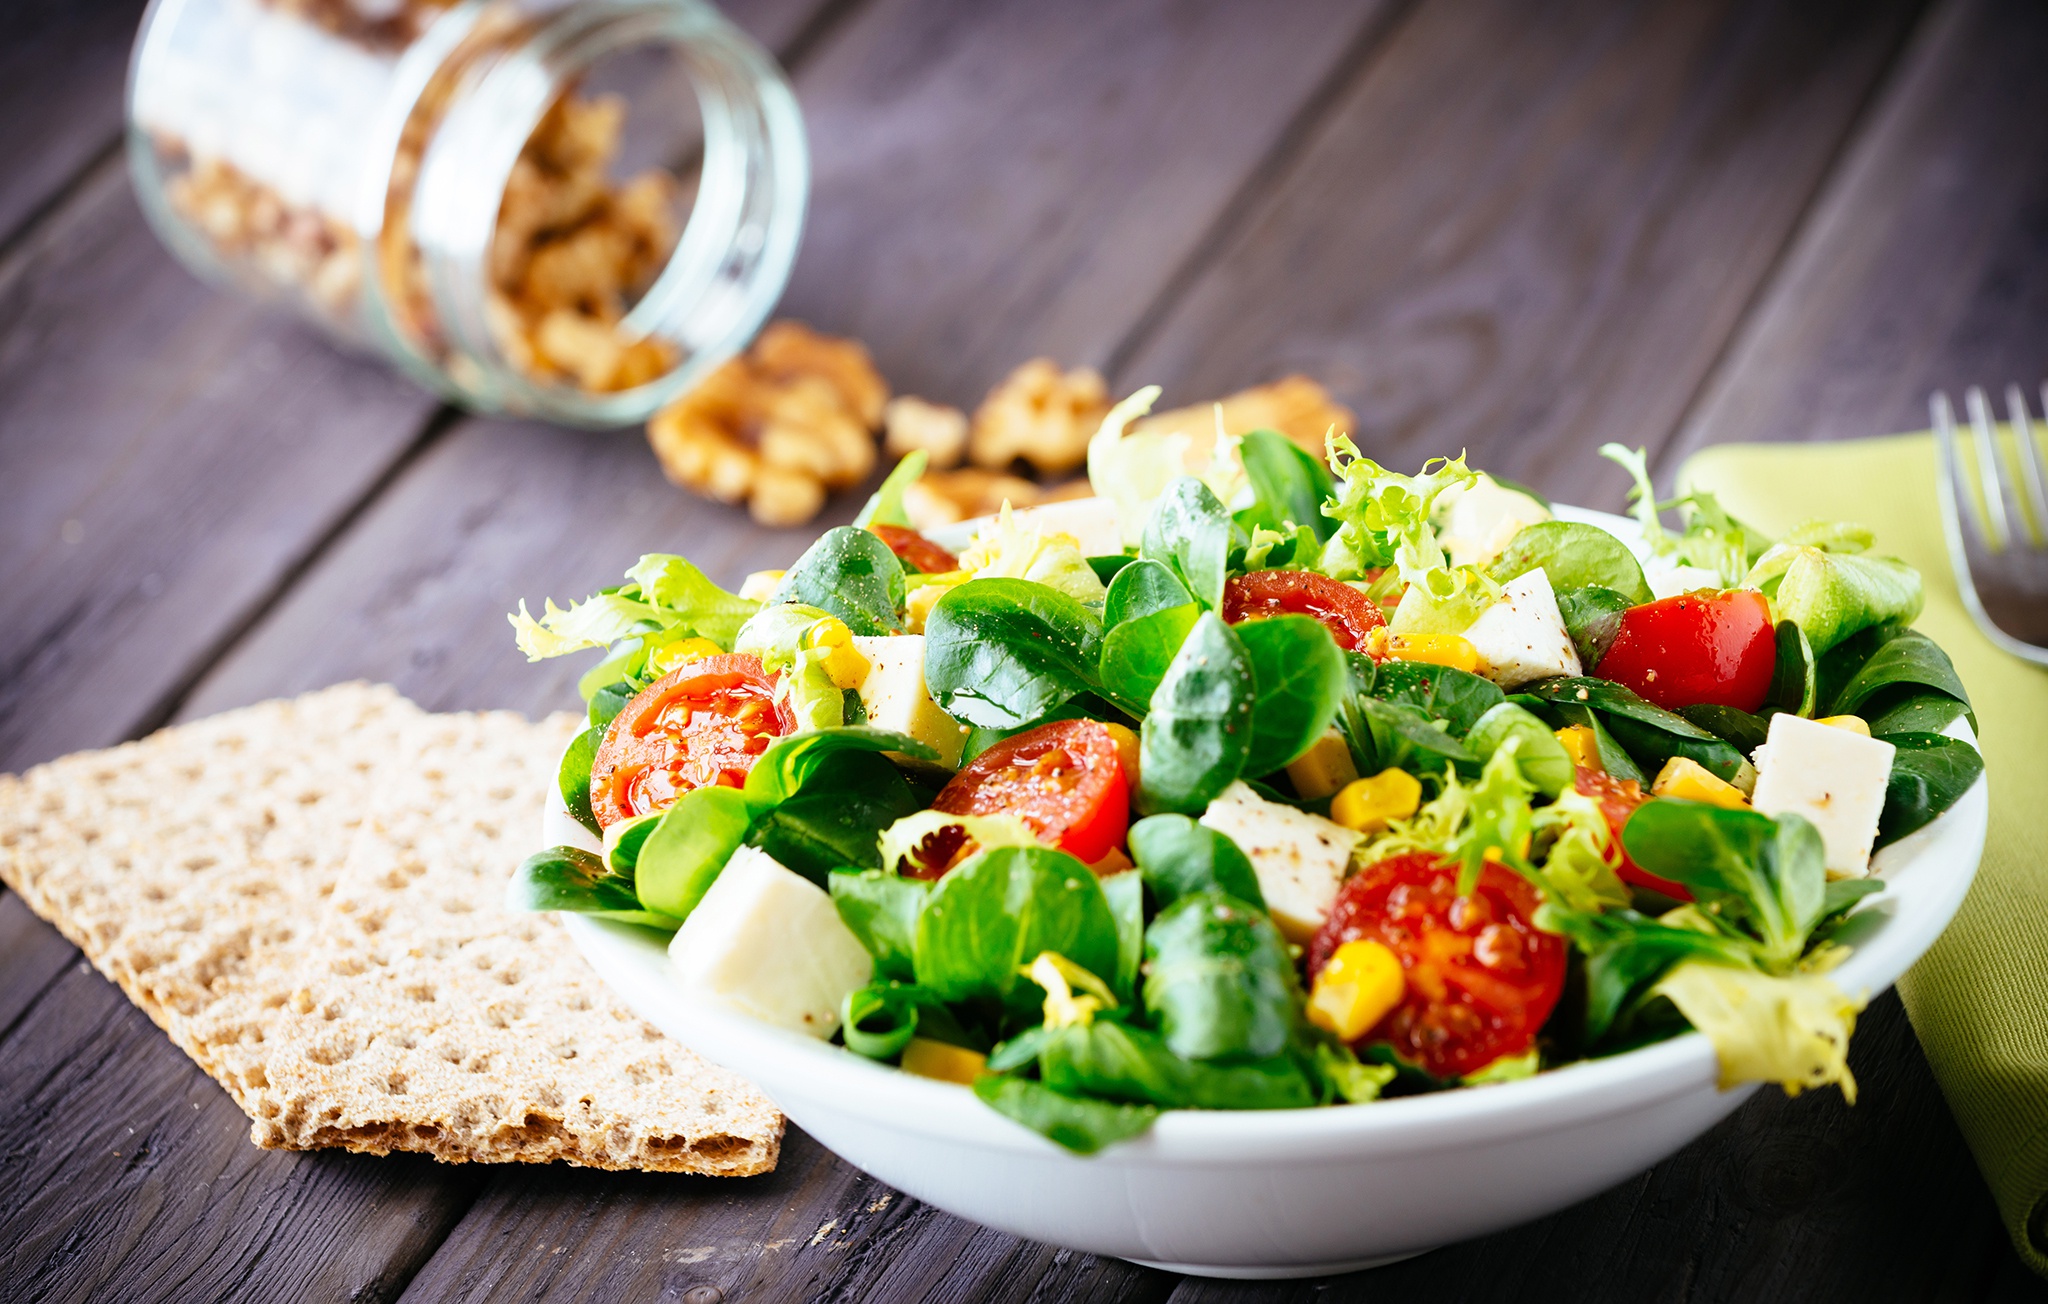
(1695, 648)
(703, 723)
(1348, 614)
(1063, 779)
(1618, 800)
(1481, 977)
(914, 548)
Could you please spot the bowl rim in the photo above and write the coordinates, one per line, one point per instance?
(633, 962)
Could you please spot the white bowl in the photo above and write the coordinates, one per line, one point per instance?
(1282, 1193)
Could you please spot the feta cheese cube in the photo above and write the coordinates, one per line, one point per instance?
(1299, 858)
(769, 943)
(1834, 777)
(1479, 521)
(1091, 522)
(1521, 638)
(895, 698)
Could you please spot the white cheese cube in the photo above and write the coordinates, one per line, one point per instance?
(1090, 521)
(1299, 858)
(895, 698)
(769, 943)
(1521, 638)
(1479, 521)
(1834, 777)
(1672, 581)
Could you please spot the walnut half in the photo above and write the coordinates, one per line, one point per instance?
(777, 427)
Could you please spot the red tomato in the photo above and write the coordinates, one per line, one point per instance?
(1695, 648)
(703, 723)
(1482, 977)
(914, 548)
(1618, 800)
(1063, 779)
(1348, 614)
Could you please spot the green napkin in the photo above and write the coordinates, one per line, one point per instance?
(1979, 999)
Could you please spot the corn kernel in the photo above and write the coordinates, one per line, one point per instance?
(1324, 768)
(1584, 749)
(1359, 986)
(761, 585)
(1369, 805)
(1687, 778)
(1853, 723)
(944, 1061)
(1453, 650)
(1126, 752)
(681, 653)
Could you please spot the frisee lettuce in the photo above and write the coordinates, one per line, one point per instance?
(1791, 1030)
(1384, 525)
(1005, 549)
(663, 594)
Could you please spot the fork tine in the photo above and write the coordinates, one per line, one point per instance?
(1959, 517)
(1989, 477)
(2032, 472)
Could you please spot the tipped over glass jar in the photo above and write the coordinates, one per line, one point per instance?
(567, 209)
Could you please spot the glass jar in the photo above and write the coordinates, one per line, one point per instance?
(570, 210)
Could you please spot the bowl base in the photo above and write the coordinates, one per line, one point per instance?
(1277, 1271)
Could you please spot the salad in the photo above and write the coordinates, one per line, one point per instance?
(1260, 780)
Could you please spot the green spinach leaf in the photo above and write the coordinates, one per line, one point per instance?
(1736, 727)
(1575, 556)
(992, 915)
(834, 822)
(1179, 856)
(881, 909)
(1917, 713)
(1289, 486)
(852, 574)
(1651, 734)
(886, 507)
(1004, 652)
(1140, 589)
(1199, 729)
(1136, 653)
(1081, 1125)
(1592, 616)
(1540, 757)
(1299, 675)
(1109, 1060)
(1904, 665)
(1125, 893)
(1795, 678)
(1190, 534)
(573, 880)
(1218, 981)
(1452, 698)
(790, 761)
(1930, 773)
(572, 777)
(1741, 866)
(687, 848)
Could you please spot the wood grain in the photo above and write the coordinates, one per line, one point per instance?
(1524, 256)
(1927, 264)
(61, 69)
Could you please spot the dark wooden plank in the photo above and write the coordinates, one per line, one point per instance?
(1524, 256)
(1926, 266)
(90, 1107)
(61, 69)
(32, 956)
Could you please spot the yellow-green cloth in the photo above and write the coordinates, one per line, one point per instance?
(1979, 999)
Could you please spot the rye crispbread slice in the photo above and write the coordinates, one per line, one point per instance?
(431, 1018)
(198, 869)
(192, 863)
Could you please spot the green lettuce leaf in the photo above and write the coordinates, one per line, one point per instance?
(1792, 1030)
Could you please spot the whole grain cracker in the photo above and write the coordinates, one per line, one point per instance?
(188, 865)
(437, 1020)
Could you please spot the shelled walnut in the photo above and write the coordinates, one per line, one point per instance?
(1040, 415)
(776, 427)
(911, 424)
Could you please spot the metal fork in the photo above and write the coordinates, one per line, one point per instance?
(2001, 556)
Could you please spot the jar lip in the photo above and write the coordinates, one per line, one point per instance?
(725, 272)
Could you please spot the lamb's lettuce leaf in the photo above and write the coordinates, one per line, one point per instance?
(852, 574)
(886, 506)
(1198, 731)
(1004, 652)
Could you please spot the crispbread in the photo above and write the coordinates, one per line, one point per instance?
(434, 1019)
(188, 863)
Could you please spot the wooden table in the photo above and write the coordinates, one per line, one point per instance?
(1517, 228)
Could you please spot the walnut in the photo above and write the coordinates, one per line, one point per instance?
(1040, 415)
(1295, 406)
(943, 497)
(777, 427)
(910, 423)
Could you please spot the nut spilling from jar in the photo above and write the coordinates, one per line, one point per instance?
(266, 169)
(777, 427)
